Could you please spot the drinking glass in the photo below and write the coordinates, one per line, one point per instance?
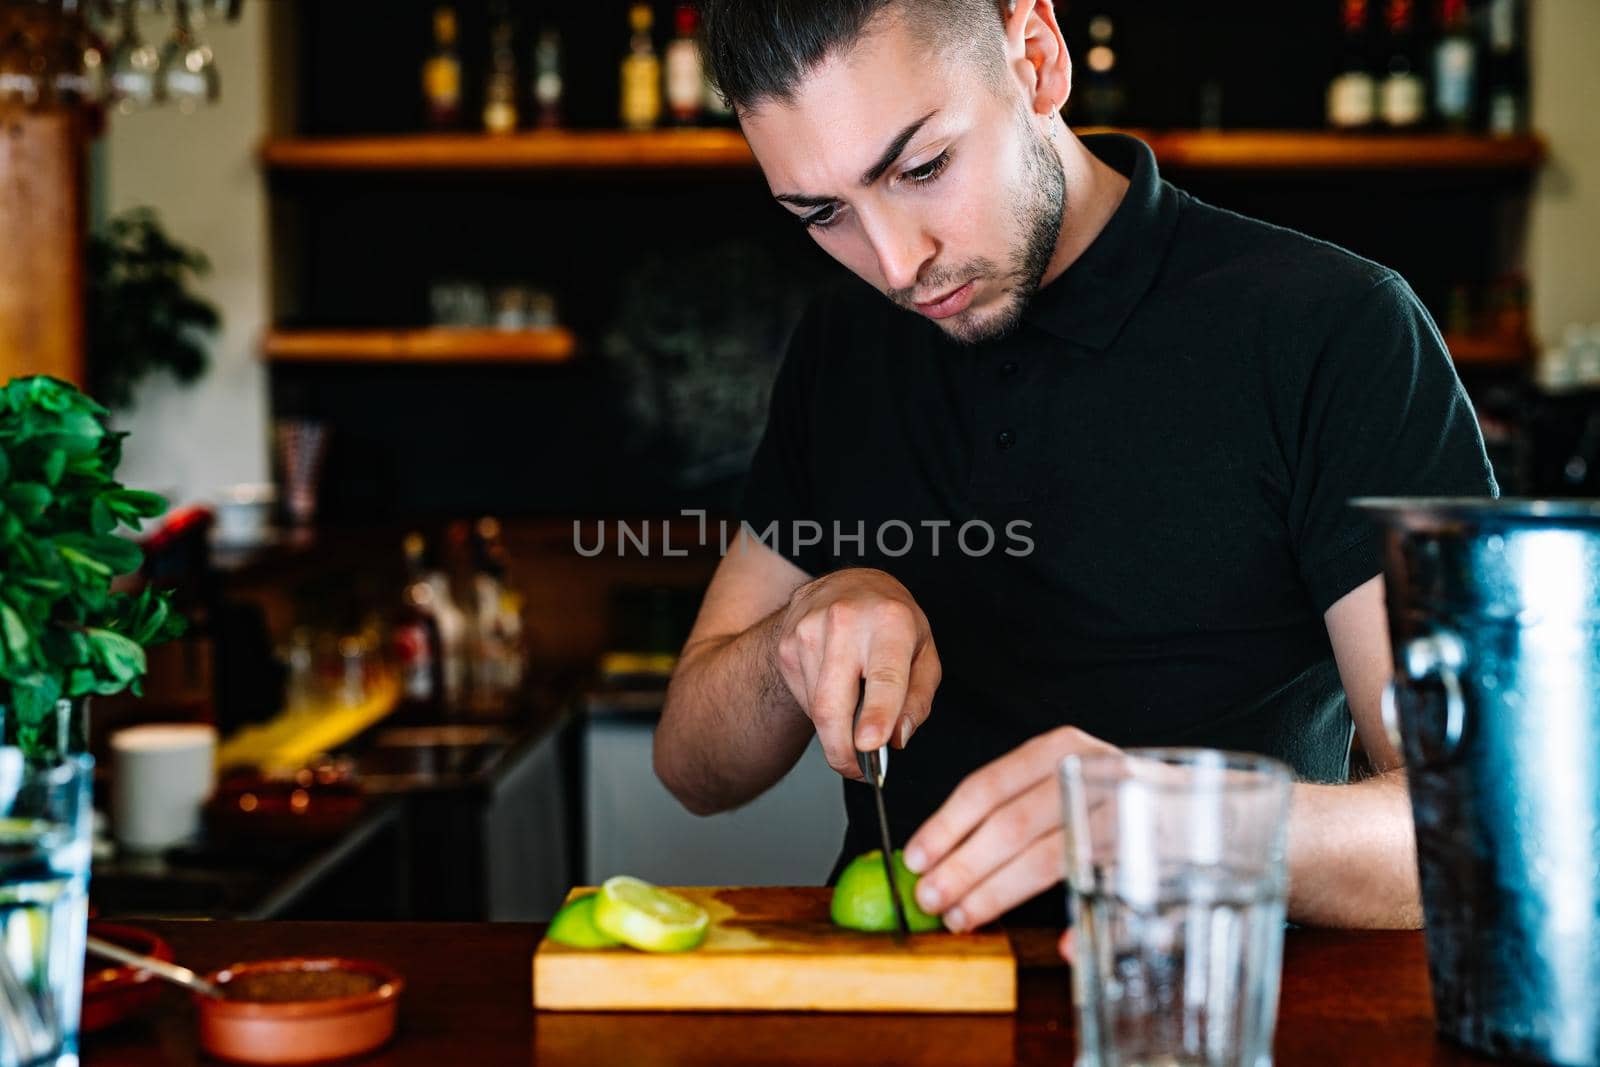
(45, 818)
(1177, 876)
(134, 63)
(188, 74)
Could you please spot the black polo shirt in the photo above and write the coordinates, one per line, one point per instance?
(1161, 454)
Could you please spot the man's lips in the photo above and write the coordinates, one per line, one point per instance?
(952, 303)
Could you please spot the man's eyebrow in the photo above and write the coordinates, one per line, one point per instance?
(800, 200)
(873, 173)
(896, 146)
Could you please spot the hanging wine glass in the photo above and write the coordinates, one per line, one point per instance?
(228, 9)
(21, 60)
(188, 75)
(80, 76)
(134, 63)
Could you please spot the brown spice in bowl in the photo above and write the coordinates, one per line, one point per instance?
(282, 987)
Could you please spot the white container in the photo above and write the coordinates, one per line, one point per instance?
(163, 774)
(244, 513)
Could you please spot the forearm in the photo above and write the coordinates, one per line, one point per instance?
(730, 728)
(1352, 855)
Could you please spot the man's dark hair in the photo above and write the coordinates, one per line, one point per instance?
(761, 50)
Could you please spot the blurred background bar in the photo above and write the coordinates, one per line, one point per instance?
(450, 327)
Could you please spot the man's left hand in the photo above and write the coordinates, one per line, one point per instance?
(997, 841)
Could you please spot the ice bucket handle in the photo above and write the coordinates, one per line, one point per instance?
(1439, 656)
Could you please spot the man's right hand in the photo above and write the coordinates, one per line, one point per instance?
(852, 625)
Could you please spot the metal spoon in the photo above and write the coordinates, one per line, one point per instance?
(170, 972)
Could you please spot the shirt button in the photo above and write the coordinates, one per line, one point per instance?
(1008, 369)
(1004, 440)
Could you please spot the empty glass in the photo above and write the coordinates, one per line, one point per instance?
(134, 64)
(1177, 875)
(188, 75)
(45, 818)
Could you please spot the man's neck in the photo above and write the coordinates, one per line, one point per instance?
(1092, 193)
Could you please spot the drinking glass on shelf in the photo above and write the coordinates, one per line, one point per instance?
(1177, 874)
(20, 82)
(460, 304)
(302, 445)
(80, 75)
(45, 818)
(188, 75)
(134, 64)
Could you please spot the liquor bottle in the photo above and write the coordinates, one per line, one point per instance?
(1104, 97)
(1506, 111)
(686, 79)
(641, 74)
(1455, 67)
(1353, 92)
(441, 73)
(415, 642)
(454, 627)
(497, 657)
(547, 85)
(718, 111)
(1402, 96)
(500, 85)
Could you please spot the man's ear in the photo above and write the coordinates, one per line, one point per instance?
(1036, 55)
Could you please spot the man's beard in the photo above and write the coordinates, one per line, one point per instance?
(1041, 204)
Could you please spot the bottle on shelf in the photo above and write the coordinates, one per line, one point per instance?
(500, 84)
(547, 85)
(1353, 92)
(447, 577)
(1402, 95)
(686, 77)
(641, 74)
(1506, 108)
(718, 110)
(497, 641)
(1104, 97)
(1455, 67)
(416, 644)
(441, 73)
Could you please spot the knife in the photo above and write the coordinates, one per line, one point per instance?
(875, 765)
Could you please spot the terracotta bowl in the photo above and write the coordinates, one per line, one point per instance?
(299, 1031)
(112, 993)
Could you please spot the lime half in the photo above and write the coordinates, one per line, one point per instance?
(574, 925)
(861, 897)
(645, 917)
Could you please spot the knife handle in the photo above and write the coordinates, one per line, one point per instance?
(874, 765)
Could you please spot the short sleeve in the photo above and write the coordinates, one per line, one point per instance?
(778, 491)
(1383, 414)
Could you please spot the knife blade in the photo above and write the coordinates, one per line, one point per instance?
(875, 766)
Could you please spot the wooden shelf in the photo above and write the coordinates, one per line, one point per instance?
(1317, 150)
(1481, 349)
(428, 345)
(714, 149)
(723, 149)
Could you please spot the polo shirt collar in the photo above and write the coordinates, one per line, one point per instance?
(1093, 298)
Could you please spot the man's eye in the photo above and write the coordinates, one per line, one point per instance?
(929, 170)
(821, 219)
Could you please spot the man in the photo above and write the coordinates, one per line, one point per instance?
(1158, 411)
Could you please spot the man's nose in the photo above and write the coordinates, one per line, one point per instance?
(903, 247)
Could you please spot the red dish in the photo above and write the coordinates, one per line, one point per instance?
(300, 1031)
(114, 993)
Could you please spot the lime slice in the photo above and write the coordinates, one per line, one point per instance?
(574, 925)
(861, 897)
(645, 917)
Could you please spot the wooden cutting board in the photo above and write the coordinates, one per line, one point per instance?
(775, 949)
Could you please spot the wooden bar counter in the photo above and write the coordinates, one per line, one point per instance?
(1348, 998)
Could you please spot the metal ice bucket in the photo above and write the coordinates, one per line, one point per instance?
(1494, 614)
